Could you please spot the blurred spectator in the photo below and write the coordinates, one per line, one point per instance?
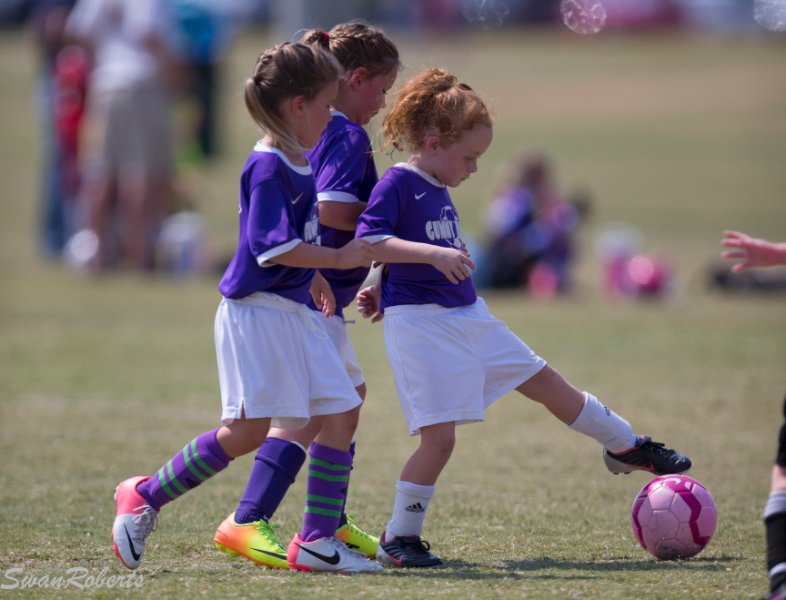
(128, 164)
(531, 231)
(205, 30)
(47, 20)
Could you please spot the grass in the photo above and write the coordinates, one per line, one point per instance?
(680, 136)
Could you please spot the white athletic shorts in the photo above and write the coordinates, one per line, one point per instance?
(450, 364)
(337, 331)
(276, 360)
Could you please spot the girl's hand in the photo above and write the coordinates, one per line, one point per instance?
(368, 302)
(754, 252)
(453, 264)
(322, 294)
(357, 253)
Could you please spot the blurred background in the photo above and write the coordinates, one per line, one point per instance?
(582, 89)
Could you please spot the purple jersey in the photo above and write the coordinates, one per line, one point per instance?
(409, 204)
(345, 172)
(277, 212)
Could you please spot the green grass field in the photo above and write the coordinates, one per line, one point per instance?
(682, 137)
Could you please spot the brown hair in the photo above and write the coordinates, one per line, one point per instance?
(433, 102)
(284, 71)
(357, 44)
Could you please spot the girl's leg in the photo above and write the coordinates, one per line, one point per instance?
(775, 517)
(276, 466)
(400, 544)
(316, 547)
(581, 412)
(328, 475)
(623, 450)
(139, 498)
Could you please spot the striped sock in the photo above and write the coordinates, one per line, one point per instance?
(343, 518)
(326, 490)
(199, 460)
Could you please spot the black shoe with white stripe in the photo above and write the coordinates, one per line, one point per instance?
(406, 551)
(649, 456)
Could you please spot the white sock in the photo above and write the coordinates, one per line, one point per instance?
(409, 509)
(604, 425)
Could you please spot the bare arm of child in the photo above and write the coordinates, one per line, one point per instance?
(357, 253)
(323, 295)
(340, 215)
(754, 252)
(452, 263)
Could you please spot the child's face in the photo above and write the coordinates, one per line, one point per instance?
(316, 116)
(373, 92)
(453, 164)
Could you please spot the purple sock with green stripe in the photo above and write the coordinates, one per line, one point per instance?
(326, 491)
(199, 460)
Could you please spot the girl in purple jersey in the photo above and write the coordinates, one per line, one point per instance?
(450, 357)
(276, 363)
(345, 174)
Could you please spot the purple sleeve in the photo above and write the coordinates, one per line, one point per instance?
(269, 225)
(382, 213)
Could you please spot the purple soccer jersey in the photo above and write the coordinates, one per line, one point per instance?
(277, 212)
(344, 170)
(409, 204)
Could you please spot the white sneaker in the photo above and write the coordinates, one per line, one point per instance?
(328, 554)
(134, 521)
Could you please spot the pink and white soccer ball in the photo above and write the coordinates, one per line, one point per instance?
(673, 516)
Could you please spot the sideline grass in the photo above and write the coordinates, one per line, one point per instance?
(103, 379)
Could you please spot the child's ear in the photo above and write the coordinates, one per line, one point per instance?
(357, 77)
(296, 105)
(431, 143)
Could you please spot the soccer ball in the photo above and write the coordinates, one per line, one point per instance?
(673, 516)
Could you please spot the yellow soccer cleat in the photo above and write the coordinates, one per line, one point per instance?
(256, 541)
(357, 539)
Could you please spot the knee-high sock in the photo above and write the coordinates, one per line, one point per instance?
(409, 509)
(604, 425)
(343, 518)
(199, 460)
(276, 465)
(326, 491)
(775, 529)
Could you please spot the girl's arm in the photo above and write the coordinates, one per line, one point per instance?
(340, 215)
(754, 252)
(357, 253)
(453, 264)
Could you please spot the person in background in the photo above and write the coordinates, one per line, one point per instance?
(753, 253)
(531, 229)
(55, 206)
(128, 160)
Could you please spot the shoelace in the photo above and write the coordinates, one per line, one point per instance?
(656, 447)
(146, 521)
(355, 529)
(422, 546)
(267, 530)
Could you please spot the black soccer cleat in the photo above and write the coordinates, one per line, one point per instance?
(407, 551)
(778, 594)
(649, 456)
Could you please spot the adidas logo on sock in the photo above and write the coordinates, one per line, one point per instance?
(415, 508)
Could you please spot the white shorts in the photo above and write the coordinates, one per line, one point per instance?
(337, 331)
(450, 364)
(276, 360)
